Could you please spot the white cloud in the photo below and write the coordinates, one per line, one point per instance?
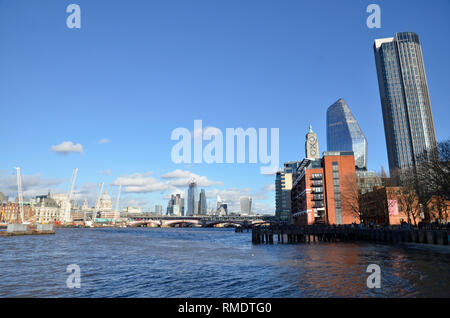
(182, 178)
(87, 191)
(105, 172)
(269, 187)
(134, 202)
(141, 183)
(232, 198)
(104, 141)
(32, 185)
(182, 192)
(67, 147)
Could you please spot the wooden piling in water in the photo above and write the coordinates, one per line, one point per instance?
(309, 234)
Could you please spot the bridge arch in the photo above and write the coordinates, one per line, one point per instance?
(145, 223)
(179, 221)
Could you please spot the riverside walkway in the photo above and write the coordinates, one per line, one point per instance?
(346, 233)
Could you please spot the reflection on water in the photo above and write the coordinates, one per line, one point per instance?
(212, 263)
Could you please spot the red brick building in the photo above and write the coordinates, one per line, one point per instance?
(10, 212)
(392, 205)
(319, 188)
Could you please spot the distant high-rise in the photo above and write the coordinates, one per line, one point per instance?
(246, 205)
(158, 209)
(344, 133)
(175, 206)
(219, 202)
(283, 187)
(202, 202)
(192, 203)
(405, 100)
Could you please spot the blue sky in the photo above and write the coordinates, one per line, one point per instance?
(136, 70)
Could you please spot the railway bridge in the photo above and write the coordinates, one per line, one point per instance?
(138, 220)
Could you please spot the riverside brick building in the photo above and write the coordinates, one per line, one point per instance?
(10, 212)
(319, 188)
(392, 205)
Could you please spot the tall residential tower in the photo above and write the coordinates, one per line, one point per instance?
(405, 100)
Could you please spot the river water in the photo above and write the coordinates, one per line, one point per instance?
(207, 262)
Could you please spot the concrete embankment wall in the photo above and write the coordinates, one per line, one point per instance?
(16, 228)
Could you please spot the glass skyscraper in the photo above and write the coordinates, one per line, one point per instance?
(405, 101)
(192, 204)
(344, 133)
(202, 208)
(246, 205)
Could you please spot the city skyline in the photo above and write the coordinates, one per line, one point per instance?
(138, 154)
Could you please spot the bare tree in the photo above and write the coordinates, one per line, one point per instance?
(351, 195)
(409, 203)
(430, 176)
(439, 208)
(434, 167)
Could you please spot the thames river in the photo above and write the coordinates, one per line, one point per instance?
(207, 262)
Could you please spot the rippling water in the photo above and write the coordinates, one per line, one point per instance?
(197, 262)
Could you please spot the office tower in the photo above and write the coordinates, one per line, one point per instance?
(175, 206)
(283, 187)
(192, 199)
(311, 145)
(223, 209)
(219, 202)
(202, 202)
(405, 100)
(158, 209)
(246, 205)
(179, 205)
(170, 204)
(344, 133)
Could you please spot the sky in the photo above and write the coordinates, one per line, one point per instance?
(105, 98)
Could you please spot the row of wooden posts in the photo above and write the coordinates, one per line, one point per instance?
(293, 234)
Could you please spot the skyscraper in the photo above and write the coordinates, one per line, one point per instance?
(246, 205)
(158, 209)
(202, 202)
(175, 205)
(219, 202)
(344, 133)
(192, 204)
(405, 101)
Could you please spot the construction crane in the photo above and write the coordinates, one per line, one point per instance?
(4, 216)
(97, 202)
(20, 193)
(118, 197)
(67, 217)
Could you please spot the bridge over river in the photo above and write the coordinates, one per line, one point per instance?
(136, 220)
